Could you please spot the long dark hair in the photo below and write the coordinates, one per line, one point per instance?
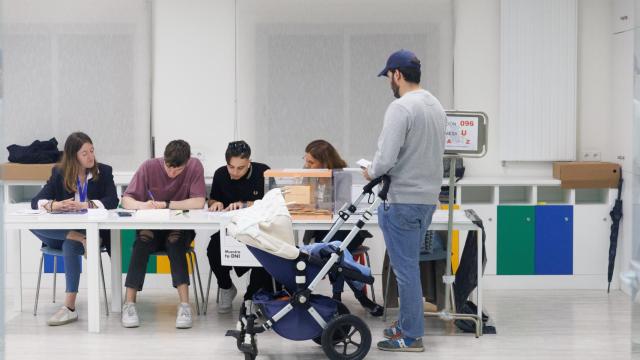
(324, 152)
(70, 165)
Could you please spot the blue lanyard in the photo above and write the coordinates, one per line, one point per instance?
(82, 190)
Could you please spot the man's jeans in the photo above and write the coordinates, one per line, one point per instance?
(404, 227)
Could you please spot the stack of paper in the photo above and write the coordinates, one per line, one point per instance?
(27, 212)
(153, 214)
(441, 216)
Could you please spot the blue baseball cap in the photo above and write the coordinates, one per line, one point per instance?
(401, 58)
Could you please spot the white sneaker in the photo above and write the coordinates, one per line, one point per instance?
(130, 317)
(226, 299)
(62, 317)
(183, 318)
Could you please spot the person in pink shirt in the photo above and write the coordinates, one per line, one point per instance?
(175, 181)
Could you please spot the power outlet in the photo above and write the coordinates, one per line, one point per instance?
(198, 154)
(591, 155)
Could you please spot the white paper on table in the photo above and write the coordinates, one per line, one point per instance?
(28, 212)
(442, 216)
(224, 214)
(98, 213)
(153, 214)
(233, 252)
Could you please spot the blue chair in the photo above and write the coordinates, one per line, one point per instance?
(46, 250)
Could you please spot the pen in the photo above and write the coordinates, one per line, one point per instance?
(152, 198)
(151, 195)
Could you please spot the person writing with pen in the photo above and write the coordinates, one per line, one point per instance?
(175, 181)
(235, 186)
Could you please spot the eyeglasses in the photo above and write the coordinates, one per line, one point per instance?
(239, 145)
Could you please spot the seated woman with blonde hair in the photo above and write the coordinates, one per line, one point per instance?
(79, 182)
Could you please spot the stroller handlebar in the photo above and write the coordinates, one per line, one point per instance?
(385, 180)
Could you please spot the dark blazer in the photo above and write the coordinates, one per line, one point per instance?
(104, 189)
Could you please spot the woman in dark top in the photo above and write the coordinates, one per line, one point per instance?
(320, 154)
(79, 182)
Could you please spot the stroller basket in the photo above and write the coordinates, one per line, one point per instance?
(297, 324)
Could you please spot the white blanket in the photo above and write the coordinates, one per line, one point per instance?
(266, 225)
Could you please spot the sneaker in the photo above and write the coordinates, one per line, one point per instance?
(183, 318)
(130, 317)
(62, 316)
(393, 332)
(404, 344)
(226, 299)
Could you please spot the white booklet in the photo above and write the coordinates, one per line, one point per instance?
(363, 163)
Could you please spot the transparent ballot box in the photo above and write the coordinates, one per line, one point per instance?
(348, 184)
(308, 193)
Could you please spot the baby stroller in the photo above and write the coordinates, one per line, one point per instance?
(297, 313)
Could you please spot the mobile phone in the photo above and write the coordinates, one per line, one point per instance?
(123, 213)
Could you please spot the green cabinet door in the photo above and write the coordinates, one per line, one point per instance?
(516, 240)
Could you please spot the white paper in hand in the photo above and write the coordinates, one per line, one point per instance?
(363, 163)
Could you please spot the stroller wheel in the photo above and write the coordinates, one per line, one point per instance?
(342, 310)
(346, 337)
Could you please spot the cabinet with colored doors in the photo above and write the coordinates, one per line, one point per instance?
(516, 240)
(535, 240)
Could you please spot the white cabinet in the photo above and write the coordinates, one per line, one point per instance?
(623, 15)
(488, 214)
(591, 227)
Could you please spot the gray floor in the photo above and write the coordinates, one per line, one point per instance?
(531, 325)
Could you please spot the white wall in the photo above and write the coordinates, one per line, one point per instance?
(73, 65)
(194, 76)
(477, 79)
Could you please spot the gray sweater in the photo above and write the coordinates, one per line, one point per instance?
(410, 148)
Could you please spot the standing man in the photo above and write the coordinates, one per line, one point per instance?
(410, 151)
(235, 186)
(175, 181)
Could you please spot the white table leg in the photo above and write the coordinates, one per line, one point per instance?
(479, 287)
(93, 277)
(116, 272)
(13, 250)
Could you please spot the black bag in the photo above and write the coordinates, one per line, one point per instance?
(39, 152)
(446, 164)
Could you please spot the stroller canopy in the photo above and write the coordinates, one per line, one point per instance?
(267, 226)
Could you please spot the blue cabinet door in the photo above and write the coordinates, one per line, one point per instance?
(554, 240)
